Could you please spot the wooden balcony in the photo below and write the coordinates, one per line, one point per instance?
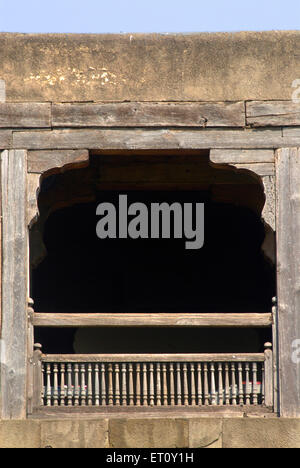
(148, 382)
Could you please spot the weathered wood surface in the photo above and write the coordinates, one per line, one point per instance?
(37, 379)
(14, 285)
(33, 184)
(288, 266)
(291, 134)
(272, 113)
(137, 114)
(43, 161)
(269, 209)
(6, 138)
(73, 358)
(268, 375)
(135, 139)
(261, 169)
(25, 115)
(152, 320)
(239, 156)
(275, 356)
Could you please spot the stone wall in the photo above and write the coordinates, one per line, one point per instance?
(150, 67)
(152, 433)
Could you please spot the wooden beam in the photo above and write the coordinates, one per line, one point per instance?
(5, 139)
(142, 139)
(152, 320)
(43, 161)
(239, 156)
(291, 134)
(25, 114)
(154, 114)
(288, 274)
(14, 285)
(272, 113)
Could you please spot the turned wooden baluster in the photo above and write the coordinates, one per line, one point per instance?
(110, 385)
(83, 391)
(199, 384)
(103, 385)
(77, 387)
(138, 385)
(117, 391)
(206, 388)
(241, 390)
(62, 384)
(220, 384)
(90, 386)
(97, 386)
(263, 389)
(254, 379)
(158, 385)
(193, 386)
(131, 390)
(70, 388)
(233, 384)
(227, 386)
(185, 385)
(43, 392)
(165, 387)
(172, 386)
(124, 385)
(48, 387)
(151, 385)
(178, 374)
(145, 385)
(248, 390)
(55, 384)
(213, 384)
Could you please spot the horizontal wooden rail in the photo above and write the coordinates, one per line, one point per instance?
(239, 320)
(220, 357)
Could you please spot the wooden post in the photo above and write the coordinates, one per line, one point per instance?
(288, 278)
(30, 367)
(37, 377)
(268, 375)
(14, 285)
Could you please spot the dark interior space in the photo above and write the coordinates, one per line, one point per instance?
(75, 271)
(82, 273)
(152, 340)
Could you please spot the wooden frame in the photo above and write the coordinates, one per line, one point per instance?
(168, 127)
(14, 337)
(288, 277)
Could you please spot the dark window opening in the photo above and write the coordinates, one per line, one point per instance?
(82, 273)
(151, 340)
(74, 271)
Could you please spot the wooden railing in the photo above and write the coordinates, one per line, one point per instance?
(156, 380)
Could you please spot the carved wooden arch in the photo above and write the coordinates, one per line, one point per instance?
(42, 164)
(261, 163)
